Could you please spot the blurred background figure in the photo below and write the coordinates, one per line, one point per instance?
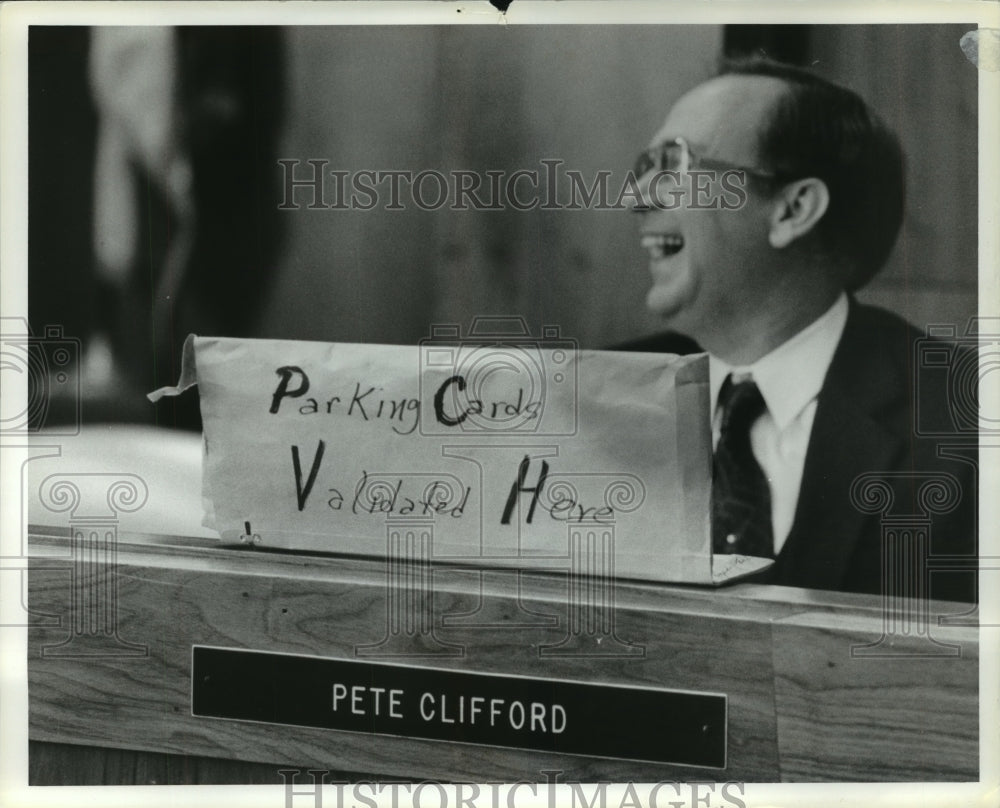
(171, 220)
(134, 84)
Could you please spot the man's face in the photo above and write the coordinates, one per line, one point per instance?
(711, 267)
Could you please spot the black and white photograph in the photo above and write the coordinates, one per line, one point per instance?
(483, 404)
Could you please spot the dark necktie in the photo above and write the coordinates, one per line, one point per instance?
(741, 497)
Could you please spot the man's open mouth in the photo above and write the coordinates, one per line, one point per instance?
(662, 246)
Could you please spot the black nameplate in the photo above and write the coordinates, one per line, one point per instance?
(663, 726)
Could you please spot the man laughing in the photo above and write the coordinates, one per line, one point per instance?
(813, 394)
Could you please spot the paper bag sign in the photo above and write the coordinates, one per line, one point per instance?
(529, 455)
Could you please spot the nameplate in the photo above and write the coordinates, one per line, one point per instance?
(496, 452)
(520, 712)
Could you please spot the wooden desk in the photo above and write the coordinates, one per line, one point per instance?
(800, 706)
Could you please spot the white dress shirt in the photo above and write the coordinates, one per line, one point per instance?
(789, 379)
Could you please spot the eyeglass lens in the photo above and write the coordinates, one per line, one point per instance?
(665, 157)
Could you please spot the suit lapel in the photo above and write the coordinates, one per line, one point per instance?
(850, 437)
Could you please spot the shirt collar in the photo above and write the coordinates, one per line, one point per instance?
(792, 374)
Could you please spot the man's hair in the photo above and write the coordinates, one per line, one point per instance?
(819, 129)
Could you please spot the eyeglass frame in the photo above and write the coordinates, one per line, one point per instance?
(689, 160)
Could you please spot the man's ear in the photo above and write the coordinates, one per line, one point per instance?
(797, 209)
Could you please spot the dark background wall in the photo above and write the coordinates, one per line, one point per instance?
(507, 97)
(924, 87)
(485, 98)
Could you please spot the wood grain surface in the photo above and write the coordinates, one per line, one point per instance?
(903, 712)
(799, 706)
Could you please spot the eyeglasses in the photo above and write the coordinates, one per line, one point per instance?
(676, 156)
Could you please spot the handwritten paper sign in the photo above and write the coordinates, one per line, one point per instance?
(488, 454)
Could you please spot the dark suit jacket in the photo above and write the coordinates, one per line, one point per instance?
(866, 431)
